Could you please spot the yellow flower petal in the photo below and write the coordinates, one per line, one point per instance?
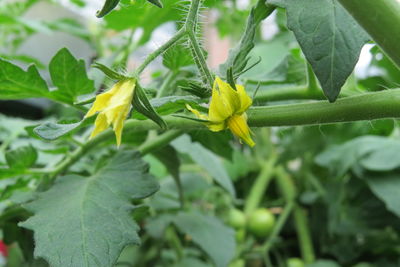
(102, 101)
(217, 126)
(100, 125)
(224, 101)
(245, 100)
(238, 125)
(196, 112)
(113, 107)
(118, 124)
(227, 110)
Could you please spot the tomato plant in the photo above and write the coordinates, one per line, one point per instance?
(199, 133)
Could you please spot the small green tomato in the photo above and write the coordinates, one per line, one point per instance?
(294, 262)
(261, 222)
(237, 219)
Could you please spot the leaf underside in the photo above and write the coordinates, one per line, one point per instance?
(330, 39)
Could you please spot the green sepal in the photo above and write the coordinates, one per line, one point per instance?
(108, 6)
(156, 3)
(109, 72)
(229, 78)
(142, 105)
(191, 118)
(196, 88)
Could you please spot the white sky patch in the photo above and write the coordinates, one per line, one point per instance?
(363, 62)
(89, 10)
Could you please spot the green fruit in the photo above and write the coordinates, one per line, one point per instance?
(236, 219)
(294, 262)
(261, 222)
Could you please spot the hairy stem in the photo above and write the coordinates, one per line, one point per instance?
(178, 35)
(191, 24)
(200, 58)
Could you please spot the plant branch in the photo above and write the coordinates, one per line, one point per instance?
(190, 25)
(260, 185)
(202, 64)
(369, 106)
(278, 227)
(178, 35)
(159, 141)
(303, 233)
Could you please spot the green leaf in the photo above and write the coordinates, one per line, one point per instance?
(177, 57)
(238, 56)
(206, 159)
(371, 152)
(216, 239)
(85, 221)
(107, 7)
(7, 173)
(69, 75)
(52, 131)
(169, 157)
(387, 188)
(217, 142)
(22, 157)
(139, 14)
(170, 104)
(330, 39)
(16, 83)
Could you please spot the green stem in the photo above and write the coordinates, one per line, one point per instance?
(190, 25)
(164, 89)
(288, 93)
(302, 92)
(303, 233)
(381, 20)
(191, 19)
(289, 192)
(278, 227)
(179, 35)
(175, 242)
(312, 82)
(200, 58)
(260, 185)
(369, 106)
(159, 141)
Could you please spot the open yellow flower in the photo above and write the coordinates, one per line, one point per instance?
(227, 110)
(113, 107)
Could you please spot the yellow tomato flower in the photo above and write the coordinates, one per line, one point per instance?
(113, 107)
(227, 110)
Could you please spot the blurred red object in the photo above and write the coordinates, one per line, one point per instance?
(3, 249)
